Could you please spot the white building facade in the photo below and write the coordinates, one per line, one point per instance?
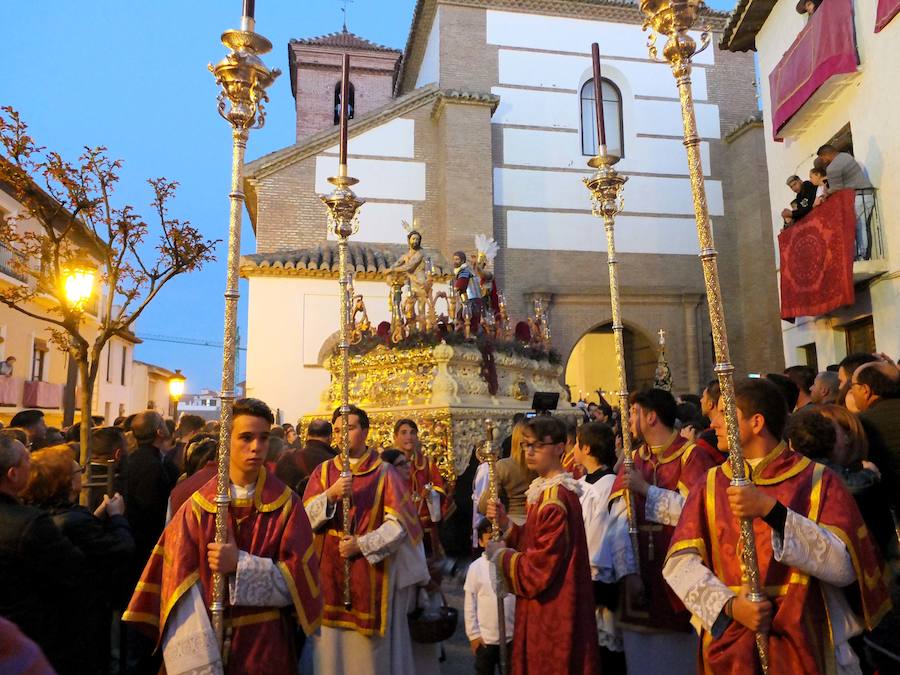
(856, 111)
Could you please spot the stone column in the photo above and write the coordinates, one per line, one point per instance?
(689, 305)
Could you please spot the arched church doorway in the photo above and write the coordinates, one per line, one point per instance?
(592, 363)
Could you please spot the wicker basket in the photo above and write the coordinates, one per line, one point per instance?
(432, 625)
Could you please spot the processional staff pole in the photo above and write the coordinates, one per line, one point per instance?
(489, 454)
(606, 187)
(673, 19)
(244, 79)
(342, 205)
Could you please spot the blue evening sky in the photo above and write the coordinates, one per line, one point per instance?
(132, 76)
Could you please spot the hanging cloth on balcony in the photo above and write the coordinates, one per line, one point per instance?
(817, 258)
(824, 48)
(887, 10)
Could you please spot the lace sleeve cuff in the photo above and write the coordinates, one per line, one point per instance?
(663, 506)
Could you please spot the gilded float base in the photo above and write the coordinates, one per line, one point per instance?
(440, 387)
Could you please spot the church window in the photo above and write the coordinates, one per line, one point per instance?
(351, 102)
(612, 117)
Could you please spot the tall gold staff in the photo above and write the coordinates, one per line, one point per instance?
(342, 205)
(244, 79)
(673, 19)
(489, 454)
(606, 197)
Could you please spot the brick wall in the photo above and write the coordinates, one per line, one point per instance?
(317, 69)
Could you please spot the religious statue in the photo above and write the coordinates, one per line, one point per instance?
(663, 375)
(485, 252)
(468, 289)
(412, 265)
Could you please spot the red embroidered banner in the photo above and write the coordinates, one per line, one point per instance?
(887, 10)
(824, 48)
(817, 258)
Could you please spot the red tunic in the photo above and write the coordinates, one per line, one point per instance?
(423, 470)
(273, 524)
(378, 491)
(676, 466)
(800, 637)
(548, 569)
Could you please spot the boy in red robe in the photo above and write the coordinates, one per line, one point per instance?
(821, 573)
(428, 490)
(269, 561)
(656, 629)
(387, 561)
(545, 563)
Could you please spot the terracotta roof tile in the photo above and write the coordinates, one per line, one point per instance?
(366, 260)
(344, 39)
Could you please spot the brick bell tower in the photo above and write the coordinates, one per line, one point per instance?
(315, 69)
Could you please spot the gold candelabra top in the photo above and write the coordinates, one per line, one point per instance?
(244, 79)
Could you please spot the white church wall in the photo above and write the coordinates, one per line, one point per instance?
(559, 34)
(550, 231)
(391, 139)
(560, 71)
(563, 190)
(380, 222)
(562, 150)
(430, 69)
(385, 179)
(289, 319)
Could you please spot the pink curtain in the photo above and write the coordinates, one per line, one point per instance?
(887, 10)
(9, 390)
(824, 48)
(42, 395)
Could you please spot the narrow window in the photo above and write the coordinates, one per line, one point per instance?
(612, 118)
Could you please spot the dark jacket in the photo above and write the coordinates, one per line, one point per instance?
(882, 424)
(295, 467)
(805, 200)
(41, 573)
(148, 483)
(108, 547)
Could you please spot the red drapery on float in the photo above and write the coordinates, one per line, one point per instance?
(824, 48)
(887, 10)
(817, 258)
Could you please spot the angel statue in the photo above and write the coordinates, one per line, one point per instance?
(485, 251)
(412, 265)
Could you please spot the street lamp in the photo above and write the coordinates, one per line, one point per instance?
(79, 276)
(176, 389)
(78, 283)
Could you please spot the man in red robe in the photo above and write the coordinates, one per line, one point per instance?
(545, 563)
(269, 561)
(428, 490)
(385, 553)
(655, 626)
(821, 573)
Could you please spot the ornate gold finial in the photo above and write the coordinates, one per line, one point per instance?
(672, 19)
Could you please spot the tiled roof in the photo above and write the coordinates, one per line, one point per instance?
(346, 40)
(746, 19)
(367, 261)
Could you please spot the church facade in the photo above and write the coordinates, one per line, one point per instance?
(483, 124)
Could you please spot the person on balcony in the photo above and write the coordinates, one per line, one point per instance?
(808, 7)
(818, 177)
(806, 195)
(843, 173)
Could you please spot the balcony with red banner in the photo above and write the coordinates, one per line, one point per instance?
(825, 254)
(820, 62)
